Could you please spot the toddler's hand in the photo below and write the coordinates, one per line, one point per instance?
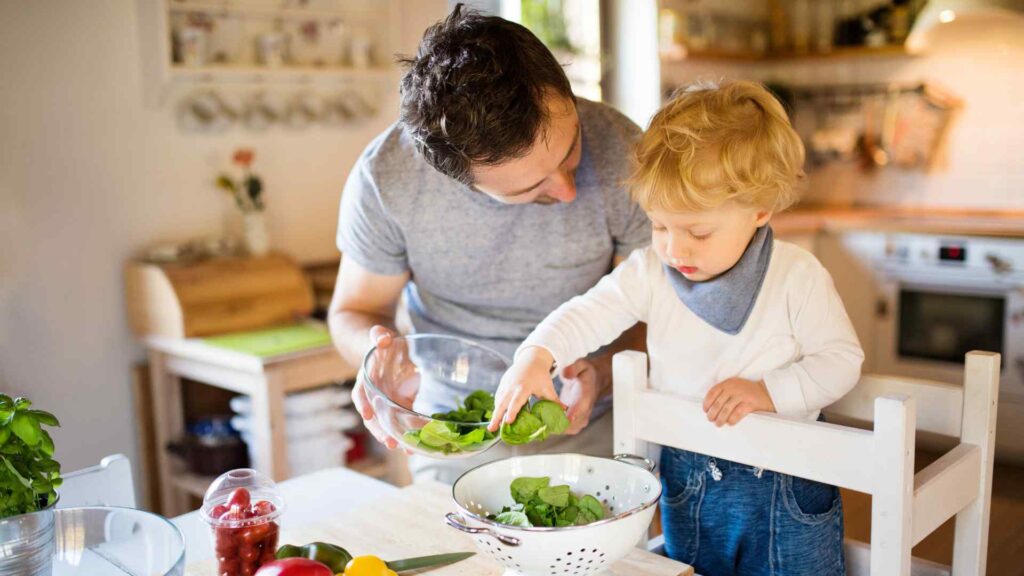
(730, 400)
(530, 375)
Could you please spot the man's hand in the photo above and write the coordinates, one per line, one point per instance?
(579, 392)
(731, 400)
(382, 338)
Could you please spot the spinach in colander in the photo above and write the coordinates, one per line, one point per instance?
(537, 503)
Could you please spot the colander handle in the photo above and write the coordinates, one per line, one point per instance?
(455, 521)
(630, 458)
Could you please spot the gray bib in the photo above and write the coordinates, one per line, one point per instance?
(725, 302)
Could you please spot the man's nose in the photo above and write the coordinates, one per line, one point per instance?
(564, 189)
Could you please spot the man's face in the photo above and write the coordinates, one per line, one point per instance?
(547, 173)
(702, 245)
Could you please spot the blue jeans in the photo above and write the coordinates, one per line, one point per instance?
(725, 518)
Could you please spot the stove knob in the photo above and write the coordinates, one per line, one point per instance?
(999, 265)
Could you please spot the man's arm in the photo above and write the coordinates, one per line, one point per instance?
(362, 299)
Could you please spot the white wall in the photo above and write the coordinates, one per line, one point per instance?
(981, 65)
(89, 176)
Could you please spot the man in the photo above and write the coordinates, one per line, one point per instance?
(496, 197)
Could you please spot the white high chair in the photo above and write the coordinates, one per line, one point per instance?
(107, 484)
(905, 507)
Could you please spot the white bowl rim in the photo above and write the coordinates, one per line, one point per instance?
(424, 336)
(600, 522)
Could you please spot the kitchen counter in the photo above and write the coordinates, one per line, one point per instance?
(410, 522)
(943, 221)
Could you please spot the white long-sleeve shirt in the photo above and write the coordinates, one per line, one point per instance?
(798, 338)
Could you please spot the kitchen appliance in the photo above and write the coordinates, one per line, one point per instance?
(628, 493)
(939, 297)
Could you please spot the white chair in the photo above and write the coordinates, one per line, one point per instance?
(107, 484)
(905, 507)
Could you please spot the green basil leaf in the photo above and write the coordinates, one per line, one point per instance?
(45, 417)
(22, 404)
(5, 433)
(46, 446)
(26, 427)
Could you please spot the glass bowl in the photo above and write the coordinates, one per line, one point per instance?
(109, 540)
(415, 383)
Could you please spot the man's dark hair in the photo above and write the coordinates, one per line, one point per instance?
(474, 93)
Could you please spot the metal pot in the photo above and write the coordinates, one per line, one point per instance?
(27, 543)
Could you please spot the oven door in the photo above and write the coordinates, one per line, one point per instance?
(924, 330)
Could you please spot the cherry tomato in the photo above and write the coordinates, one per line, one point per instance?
(240, 498)
(262, 508)
(294, 567)
(218, 511)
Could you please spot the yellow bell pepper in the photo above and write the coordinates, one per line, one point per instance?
(368, 566)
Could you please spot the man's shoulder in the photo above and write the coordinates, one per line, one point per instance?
(607, 122)
(394, 167)
(389, 149)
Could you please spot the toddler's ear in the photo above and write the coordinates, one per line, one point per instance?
(763, 216)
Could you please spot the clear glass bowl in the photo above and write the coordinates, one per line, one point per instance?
(109, 540)
(419, 377)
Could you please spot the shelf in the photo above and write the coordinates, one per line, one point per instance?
(193, 484)
(839, 52)
(269, 10)
(218, 73)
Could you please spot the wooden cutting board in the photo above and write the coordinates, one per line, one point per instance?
(410, 522)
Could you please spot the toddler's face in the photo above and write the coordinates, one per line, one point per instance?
(702, 245)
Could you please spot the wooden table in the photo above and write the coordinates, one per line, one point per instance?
(265, 380)
(410, 522)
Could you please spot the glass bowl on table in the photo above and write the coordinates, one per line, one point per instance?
(434, 393)
(111, 540)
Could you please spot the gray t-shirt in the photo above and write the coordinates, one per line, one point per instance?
(481, 269)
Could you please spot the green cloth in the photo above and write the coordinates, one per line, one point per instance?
(274, 341)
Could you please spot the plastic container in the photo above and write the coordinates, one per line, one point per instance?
(241, 507)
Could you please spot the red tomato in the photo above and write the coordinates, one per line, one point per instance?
(262, 508)
(240, 498)
(229, 567)
(218, 511)
(248, 553)
(294, 567)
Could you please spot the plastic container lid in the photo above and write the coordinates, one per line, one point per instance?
(260, 488)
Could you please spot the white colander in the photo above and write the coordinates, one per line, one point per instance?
(627, 491)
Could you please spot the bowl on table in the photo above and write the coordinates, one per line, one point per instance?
(416, 383)
(111, 540)
(626, 490)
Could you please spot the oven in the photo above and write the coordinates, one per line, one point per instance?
(938, 297)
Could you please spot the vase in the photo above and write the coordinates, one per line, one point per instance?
(27, 543)
(254, 226)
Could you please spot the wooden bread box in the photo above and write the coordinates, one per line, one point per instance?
(203, 298)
